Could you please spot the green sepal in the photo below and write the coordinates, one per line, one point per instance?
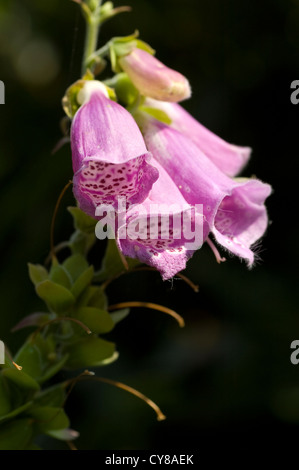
(145, 47)
(121, 46)
(69, 101)
(58, 298)
(93, 5)
(157, 114)
(98, 321)
(124, 89)
(90, 352)
(108, 11)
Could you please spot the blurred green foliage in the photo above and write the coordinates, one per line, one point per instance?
(227, 376)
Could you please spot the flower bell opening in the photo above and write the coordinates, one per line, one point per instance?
(233, 209)
(109, 154)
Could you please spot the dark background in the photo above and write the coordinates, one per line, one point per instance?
(226, 379)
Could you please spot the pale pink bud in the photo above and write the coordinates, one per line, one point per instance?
(154, 79)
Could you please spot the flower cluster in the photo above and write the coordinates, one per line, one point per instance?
(172, 171)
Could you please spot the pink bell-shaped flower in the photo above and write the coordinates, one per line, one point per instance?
(233, 208)
(230, 158)
(108, 151)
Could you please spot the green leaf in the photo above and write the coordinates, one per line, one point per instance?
(119, 315)
(56, 367)
(112, 264)
(59, 275)
(21, 379)
(39, 359)
(48, 418)
(98, 321)
(15, 412)
(82, 221)
(15, 435)
(58, 298)
(93, 297)
(5, 399)
(37, 273)
(31, 358)
(81, 243)
(75, 266)
(82, 282)
(90, 352)
(52, 396)
(17, 396)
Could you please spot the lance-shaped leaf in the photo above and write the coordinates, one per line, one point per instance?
(39, 359)
(90, 352)
(99, 321)
(58, 298)
(37, 273)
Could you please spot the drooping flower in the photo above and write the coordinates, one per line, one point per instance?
(154, 79)
(164, 231)
(108, 151)
(233, 208)
(230, 158)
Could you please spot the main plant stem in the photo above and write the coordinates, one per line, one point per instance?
(92, 33)
(91, 40)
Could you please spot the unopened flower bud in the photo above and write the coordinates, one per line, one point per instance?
(152, 78)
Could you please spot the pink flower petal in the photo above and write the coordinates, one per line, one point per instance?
(229, 158)
(109, 154)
